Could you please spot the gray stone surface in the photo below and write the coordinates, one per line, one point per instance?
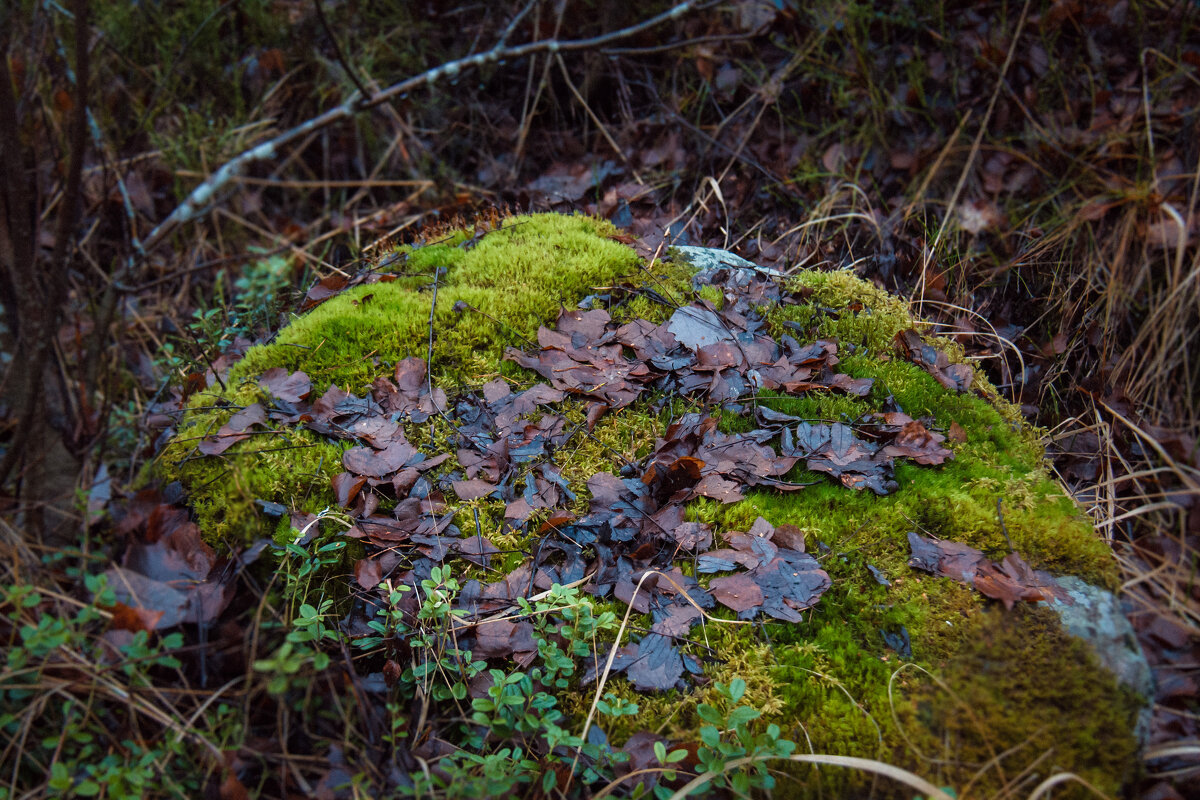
(710, 258)
(1095, 616)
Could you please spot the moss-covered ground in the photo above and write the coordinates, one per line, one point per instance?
(991, 699)
(491, 293)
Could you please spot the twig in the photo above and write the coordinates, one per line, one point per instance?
(337, 51)
(204, 194)
(667, 46)
(1003, 527)
(516, 20)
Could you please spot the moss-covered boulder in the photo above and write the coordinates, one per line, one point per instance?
(890, 663)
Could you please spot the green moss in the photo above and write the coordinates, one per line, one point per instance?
(1022, 697)
(287, 465)
(713, 295)
(826, 680)
(1002, 459)
(512, 280)
(515, 279)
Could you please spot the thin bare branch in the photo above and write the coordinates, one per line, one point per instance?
(204, 194)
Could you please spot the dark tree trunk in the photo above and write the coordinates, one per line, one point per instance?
(33, 290)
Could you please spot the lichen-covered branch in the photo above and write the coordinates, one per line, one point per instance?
(203, 194)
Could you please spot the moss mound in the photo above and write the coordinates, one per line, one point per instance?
(833, 682)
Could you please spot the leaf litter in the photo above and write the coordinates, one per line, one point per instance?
(168, 576)
(632, 540)
(1009, 580)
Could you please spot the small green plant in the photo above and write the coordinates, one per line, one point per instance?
(390, 624)
(728, 737)
(440, 668)
(76, 738)
(290, 665)
(300, 567)
(666, 760)
(260, 293)
(142, 652)
(440, 589)
(110, 776)
(300, 654)
(311, 624)
(208, 328)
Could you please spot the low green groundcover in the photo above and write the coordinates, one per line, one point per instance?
(884, 662)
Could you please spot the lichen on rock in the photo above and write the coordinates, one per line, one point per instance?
(835, 678)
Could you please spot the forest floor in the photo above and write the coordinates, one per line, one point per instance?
(1026, 174)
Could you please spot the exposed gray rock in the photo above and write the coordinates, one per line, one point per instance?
(711, 258)
(1095, 616)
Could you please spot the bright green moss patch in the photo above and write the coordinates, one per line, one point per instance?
(512, 280)
(291, 466)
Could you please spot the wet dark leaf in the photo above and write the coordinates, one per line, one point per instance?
(957, 377)
(233, 431)
(791, 583)
(1009, 580)
(290, 388)
(677, 621)
(174, 580)
(718, 488)
(657, 666)
(346, 487)
(916, 442)
(324, 289)
(273, 510)
(472, 489)
(835, 450)
(368, 572)
(789, 537)
(502, 638)
(694, 327)
(898, 641)
(739, 592)
(1012, 579)
(374, 463)
(476, 549)
(693, 535)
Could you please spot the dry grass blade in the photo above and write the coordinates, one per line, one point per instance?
(901, 776)
(1181, 751)
(1063, 777)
